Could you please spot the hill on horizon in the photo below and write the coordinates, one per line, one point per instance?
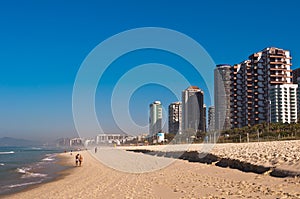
(9, 141)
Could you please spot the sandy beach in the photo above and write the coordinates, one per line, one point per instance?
(276, 155)
(179, 179)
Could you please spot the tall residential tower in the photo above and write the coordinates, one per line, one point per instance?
(192, 109)
(257, 88)
(175, 117)
(296, 80)
(155, 120)
(222, 96)
(211, 118)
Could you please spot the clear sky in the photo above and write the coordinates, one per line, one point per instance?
(43, 43)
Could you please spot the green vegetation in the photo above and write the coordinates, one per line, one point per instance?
(262, 132)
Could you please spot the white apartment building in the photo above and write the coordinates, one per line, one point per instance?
(110, 138)
(155, 120)
(284, 103)
(266, 73)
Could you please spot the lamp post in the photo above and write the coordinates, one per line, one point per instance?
(269, 119)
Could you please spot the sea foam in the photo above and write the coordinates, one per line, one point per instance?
(24, 184)
(6, 152)
(48, 159)
(34, 175)
(22, 170)
(36, 148)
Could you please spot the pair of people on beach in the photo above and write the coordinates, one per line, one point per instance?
(78, 159)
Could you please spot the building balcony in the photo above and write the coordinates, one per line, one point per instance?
(276, 75)
(276, 56)
(276, 62)
(277, 82)
(274, 69)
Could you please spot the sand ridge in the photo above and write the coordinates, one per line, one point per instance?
(277, 154)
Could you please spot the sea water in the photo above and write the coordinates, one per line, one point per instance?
(21, 167)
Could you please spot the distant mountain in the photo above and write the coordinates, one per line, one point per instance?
(8, 141)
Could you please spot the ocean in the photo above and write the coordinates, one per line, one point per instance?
(21, 167)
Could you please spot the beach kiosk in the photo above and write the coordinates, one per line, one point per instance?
(160, 137)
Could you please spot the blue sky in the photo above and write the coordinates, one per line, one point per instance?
(43, 43)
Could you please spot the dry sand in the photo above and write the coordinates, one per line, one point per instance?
(277, 154)
(181, 179)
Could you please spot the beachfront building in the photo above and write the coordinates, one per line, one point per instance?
(204, 118)
(155, 119)
(298, 101)
(89, 142)
(284, 100)
(175, 112)
(251, 84)
(241, 94)
(211, 118)
(193, 109)
(111, 138)
(76, 142)
(296, 75)
(62, 142)
(296, 80)
(222, 87)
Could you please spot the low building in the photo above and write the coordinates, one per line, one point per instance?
(76, 142)
(110, 138)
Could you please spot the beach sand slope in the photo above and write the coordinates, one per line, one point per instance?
(181, 179)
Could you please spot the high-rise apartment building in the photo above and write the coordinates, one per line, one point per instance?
(204, 117)
(211, 118)
(222, 85)
(251, 85)
(296, 75)
(296, 80)
(192, 109)
(241, 94)
(155, 120)
(283, 100)
(175, 112)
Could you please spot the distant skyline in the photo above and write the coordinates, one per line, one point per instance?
(42, 45)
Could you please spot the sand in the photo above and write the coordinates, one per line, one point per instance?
(178, 179)
(283, 155)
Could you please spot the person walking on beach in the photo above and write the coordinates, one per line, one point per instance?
(80, 160)
(77, 159)
(96, 149)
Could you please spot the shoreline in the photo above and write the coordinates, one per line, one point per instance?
(62, 161)
(180, 179)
